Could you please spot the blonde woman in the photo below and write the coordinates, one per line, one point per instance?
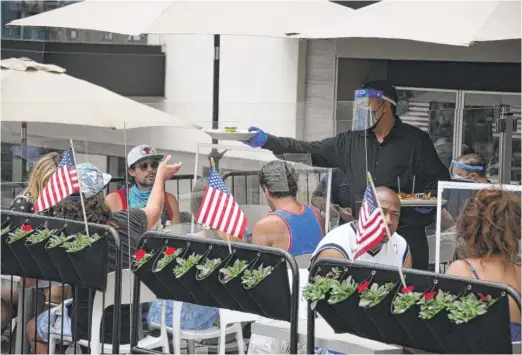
(40, 175)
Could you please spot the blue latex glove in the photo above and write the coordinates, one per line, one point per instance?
(423, 210)
(259, 139)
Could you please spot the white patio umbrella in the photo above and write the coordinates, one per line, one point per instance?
(452, 22)
(277, 18)
(34, 92)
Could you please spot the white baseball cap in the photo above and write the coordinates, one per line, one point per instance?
(142, 152)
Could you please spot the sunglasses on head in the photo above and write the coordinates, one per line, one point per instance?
(145, 165)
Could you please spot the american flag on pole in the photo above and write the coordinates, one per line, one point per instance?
(63, 183)
(371, 227)
(219, 209)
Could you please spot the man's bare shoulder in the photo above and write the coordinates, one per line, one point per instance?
(271, 223)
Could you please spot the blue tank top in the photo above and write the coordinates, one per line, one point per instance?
(304, 228)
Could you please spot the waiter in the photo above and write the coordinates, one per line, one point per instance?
(381, 143)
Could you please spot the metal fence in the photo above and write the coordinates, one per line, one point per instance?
(43, 265)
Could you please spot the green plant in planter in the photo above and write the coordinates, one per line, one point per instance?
(19, 233)
(169, 255)
(140, 258)
(469, 307)
(342, 290)
(80, 242)
(371, 297)
(207, 267)
(5, 230)
(320, 286)
(185, 265)
(234, 270)
(251, 278)
(404, 300)
(57, 240)
(432, 303)
(41, 235)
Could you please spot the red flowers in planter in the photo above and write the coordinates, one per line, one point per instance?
(408, 289)
(482, 296)
(140, 254)
(363, 286)
(169, 251)
(26, 228)
(429, 295)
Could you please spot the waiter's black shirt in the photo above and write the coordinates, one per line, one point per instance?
(405, 152)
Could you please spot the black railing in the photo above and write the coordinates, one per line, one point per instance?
(487, 333)
(214, 289)
(56, 250)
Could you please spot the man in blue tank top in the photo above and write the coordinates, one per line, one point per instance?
(292, 226)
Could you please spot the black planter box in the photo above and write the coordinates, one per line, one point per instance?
(385, 321)
(91, 264)
(43, 260)
(63, 264)
(348, 317)
(268, 299)
(446, 331)
(213, 286)
(10, 265)
(145, 275)
(482, 334)
(419, 333)
(25, 260)
(167, 278)
(202, 296)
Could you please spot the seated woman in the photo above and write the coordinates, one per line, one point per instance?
(488, 242)
(130, 225)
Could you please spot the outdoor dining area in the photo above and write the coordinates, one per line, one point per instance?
(240, 243)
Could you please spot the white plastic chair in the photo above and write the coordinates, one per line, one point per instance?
(229, 323)
(447, 247)
(146, 295)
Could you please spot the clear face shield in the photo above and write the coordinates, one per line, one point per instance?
(367, 108)
(463, 172)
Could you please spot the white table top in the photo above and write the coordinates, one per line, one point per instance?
(325, 337)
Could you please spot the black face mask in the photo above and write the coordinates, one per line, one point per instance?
(374, 119)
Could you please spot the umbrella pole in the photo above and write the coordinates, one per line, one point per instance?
(215, 98)
(23, 153)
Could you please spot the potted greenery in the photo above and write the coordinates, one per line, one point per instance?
(142, 268)
(5, 230)
(35, 244)
(16, 242)
(89, 255)
(232, 271)
(208, 266)
(373, 295)
(169, 255)
(317, 290)
(405, 300)
(229, 278)
(252, 277)
(340, 291)
(80, 242)
(57, 240)
(433, 302)
(141, 257)
(185, 265)
(469, 307)
(20, 233)
(61, 260)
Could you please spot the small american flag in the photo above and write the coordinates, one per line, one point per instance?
(219, 209)
(63, 183)
(371, 227)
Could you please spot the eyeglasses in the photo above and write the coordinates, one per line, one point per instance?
(145, 165)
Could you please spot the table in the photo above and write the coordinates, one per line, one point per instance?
(325, 338)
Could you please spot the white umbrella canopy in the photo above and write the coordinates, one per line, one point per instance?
(436, 21)
(269, 18)
(34, 92)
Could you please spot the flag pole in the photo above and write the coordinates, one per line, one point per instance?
(80, 185)
(399, 266)
(213, 164)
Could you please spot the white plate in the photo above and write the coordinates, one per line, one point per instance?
(239, 135)
(421, 203)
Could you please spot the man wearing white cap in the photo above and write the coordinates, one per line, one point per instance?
(143, 162)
